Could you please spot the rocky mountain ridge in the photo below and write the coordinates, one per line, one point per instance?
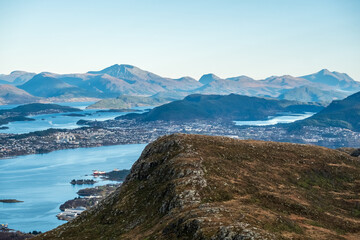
(202, 187)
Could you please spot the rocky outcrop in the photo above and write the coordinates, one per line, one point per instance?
(202, 187)
(355, 152)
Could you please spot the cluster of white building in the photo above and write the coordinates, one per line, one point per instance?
(70, 213)
(64, 137)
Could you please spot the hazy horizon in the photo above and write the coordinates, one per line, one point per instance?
(182, 38)
(236, 75)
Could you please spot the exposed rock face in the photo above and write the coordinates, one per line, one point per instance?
(355, 152)
(202, 187)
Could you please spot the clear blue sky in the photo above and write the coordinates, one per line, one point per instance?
(258, 38)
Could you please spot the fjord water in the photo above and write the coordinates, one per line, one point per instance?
(60, 120)
(286, 118)
(42, 182)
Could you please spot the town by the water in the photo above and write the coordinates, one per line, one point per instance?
(114, 132)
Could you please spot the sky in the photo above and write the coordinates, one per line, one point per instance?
(257, 38)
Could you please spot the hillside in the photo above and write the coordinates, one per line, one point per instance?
(222, 107)
(13, 95)
(124, 102)
(312, 94)
(340, 113)
(170, 95)
(47, 85)
(202, 187)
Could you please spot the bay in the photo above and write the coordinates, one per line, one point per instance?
(289, 118)
(42, 182)
(61, 120)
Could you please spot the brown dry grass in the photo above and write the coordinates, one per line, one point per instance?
(274, 190)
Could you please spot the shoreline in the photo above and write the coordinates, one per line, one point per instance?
(124, 132)
(43, 142)
(69, 148)
(90, 196)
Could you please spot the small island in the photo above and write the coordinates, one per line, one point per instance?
(10, 201)
(118, 110)
(83, 122)
(83, 181)
(75, 115)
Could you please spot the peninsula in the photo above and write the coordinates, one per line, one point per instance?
(21, 112)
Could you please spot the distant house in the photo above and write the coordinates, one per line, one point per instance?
(4, 227)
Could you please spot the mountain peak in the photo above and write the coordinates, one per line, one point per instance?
(208, 78)
(334, 79)
(120, 66)
(324, 72)
(117, 68)
(127, 72)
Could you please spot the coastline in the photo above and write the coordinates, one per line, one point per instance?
(123, 132)
(26, 177)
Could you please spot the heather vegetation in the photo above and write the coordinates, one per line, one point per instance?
(202, 187)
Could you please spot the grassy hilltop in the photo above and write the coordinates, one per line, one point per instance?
(203, 187)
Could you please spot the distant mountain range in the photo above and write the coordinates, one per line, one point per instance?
(225, 107)
(111, 82)
(341, 113)
(120, 80)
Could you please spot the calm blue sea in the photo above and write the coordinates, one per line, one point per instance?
(42, 182)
